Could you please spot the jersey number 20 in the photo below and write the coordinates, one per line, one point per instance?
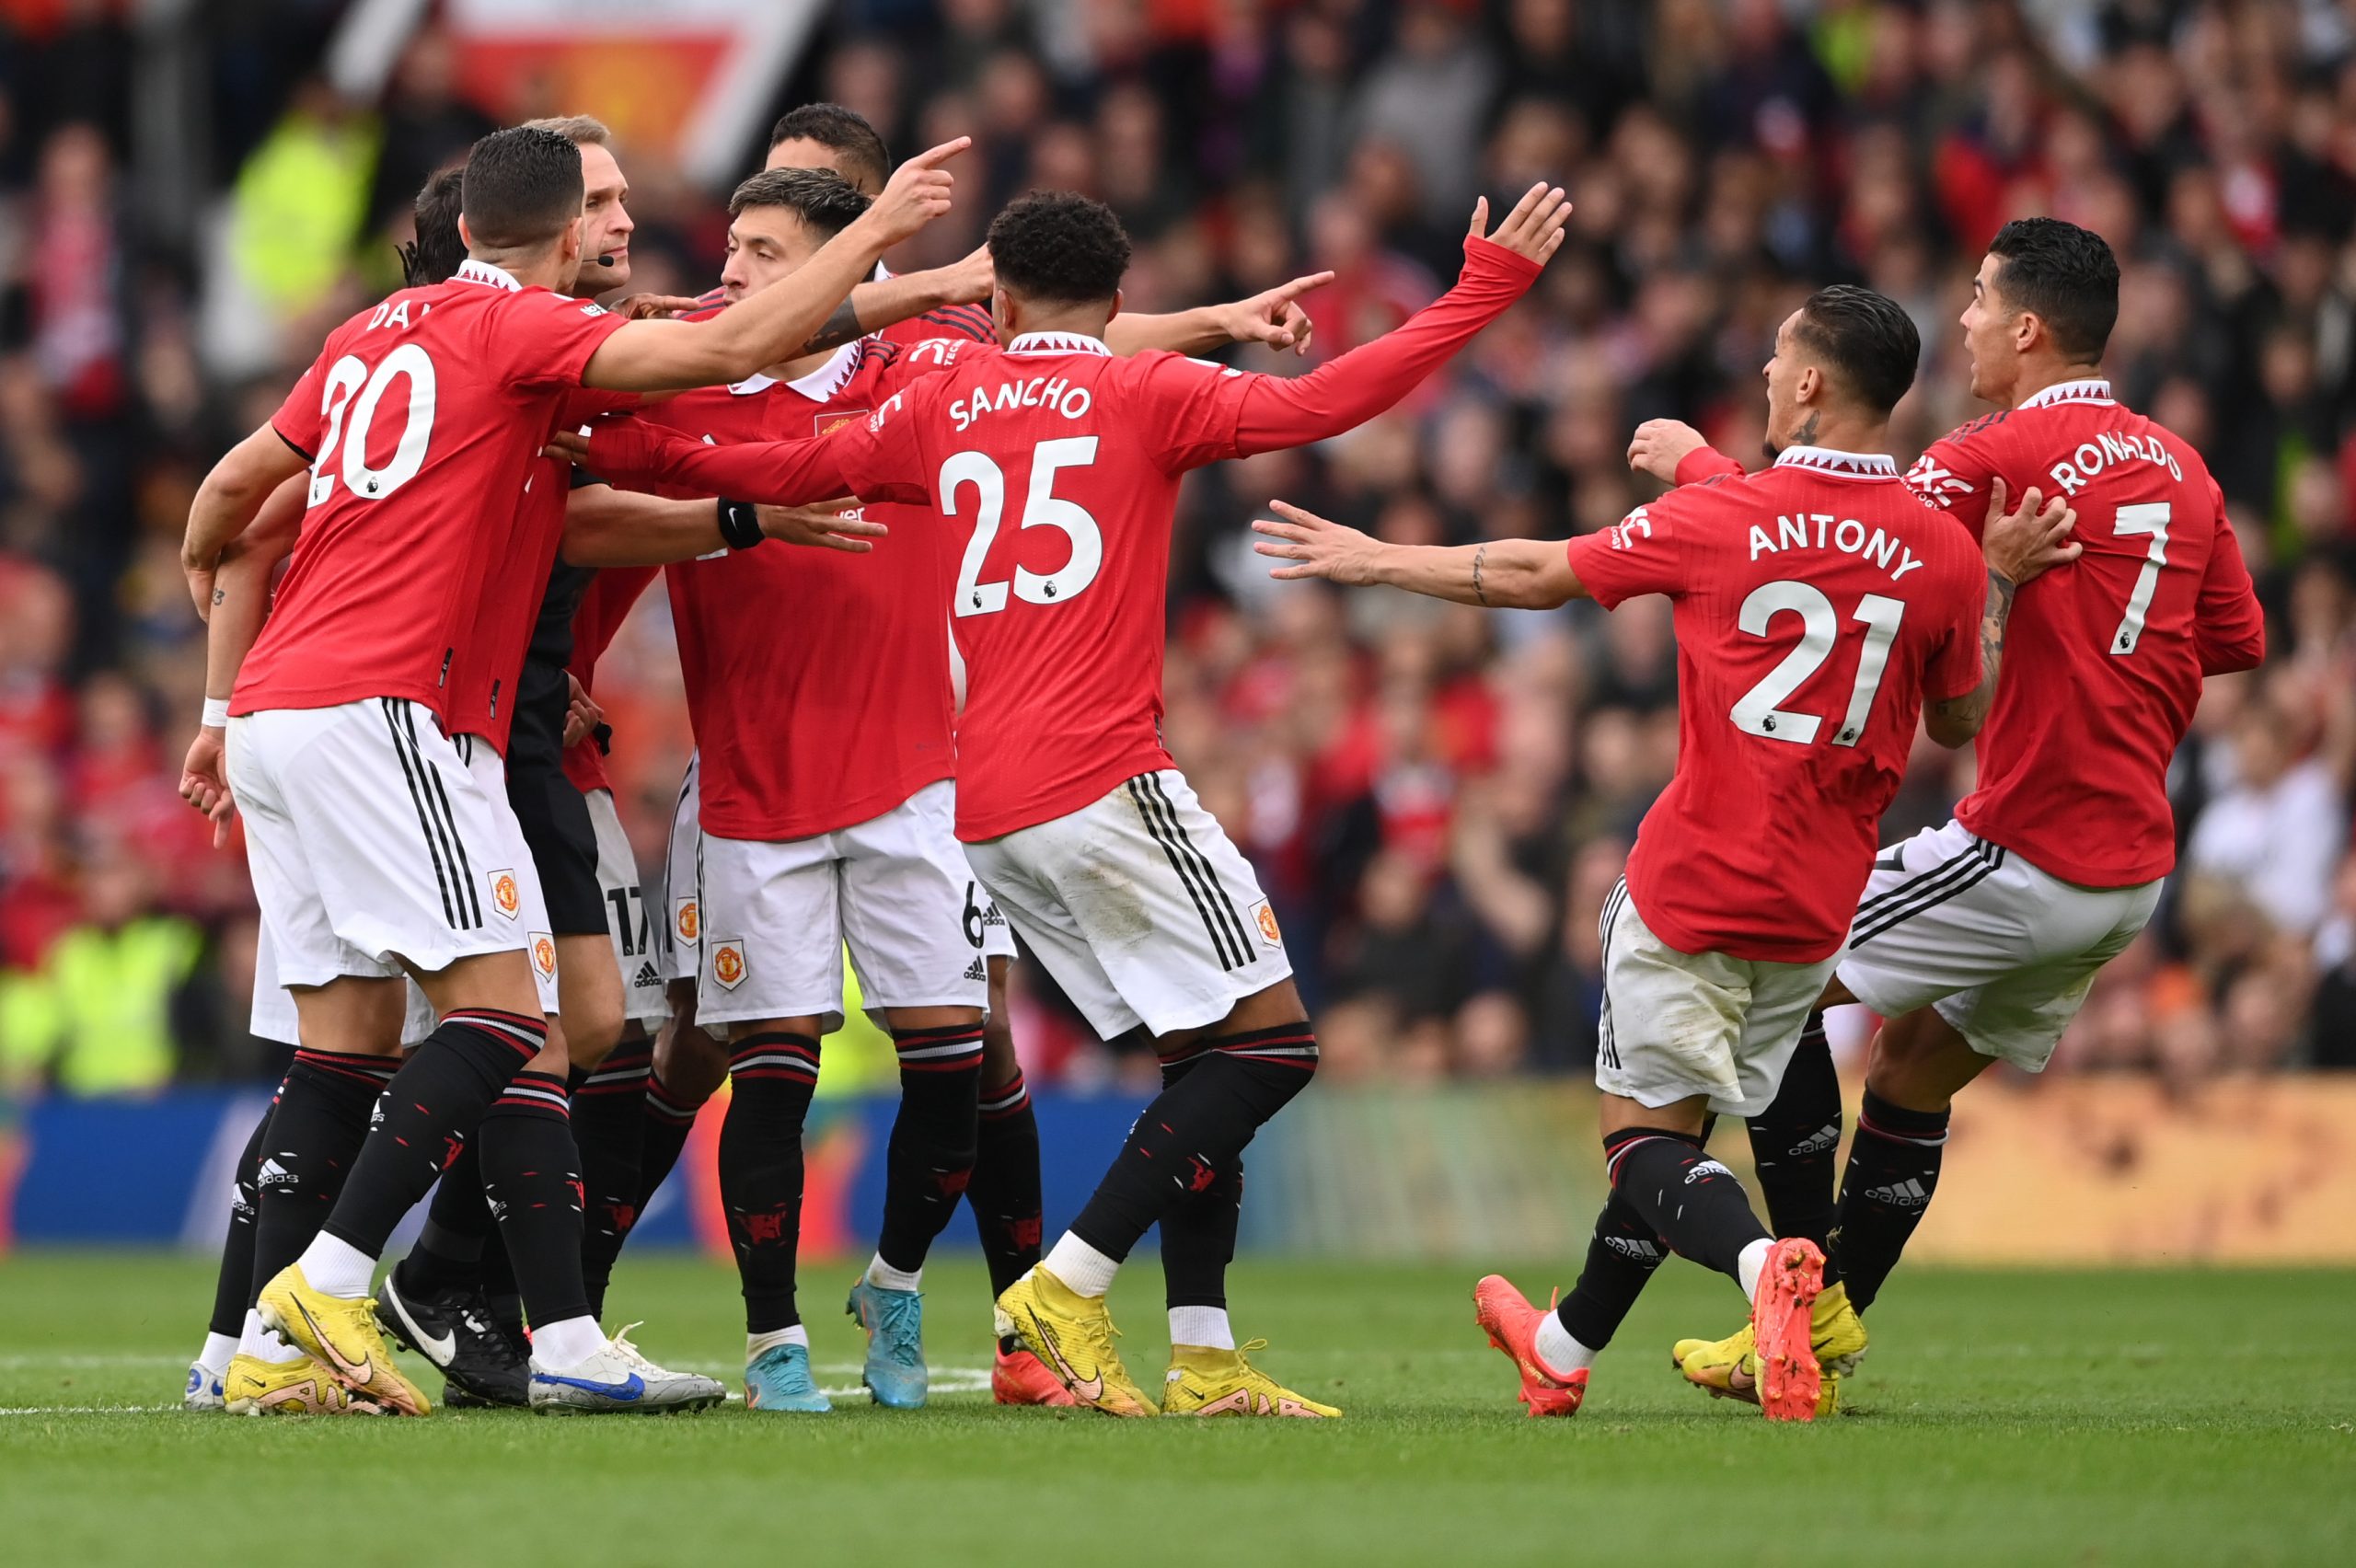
(352, 390)
(1041, 508)
(1757, 711)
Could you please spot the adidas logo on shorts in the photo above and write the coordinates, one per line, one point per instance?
(646, 975)
(1908, 1193)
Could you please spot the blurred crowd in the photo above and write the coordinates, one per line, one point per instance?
(1438, 798)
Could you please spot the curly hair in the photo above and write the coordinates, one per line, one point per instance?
(434, 255)
(1060, 247)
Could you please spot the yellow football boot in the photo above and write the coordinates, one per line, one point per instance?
(1203, 1381)
(1072, 1336)
(341, 1333)
(301, 1387)
(1729, 1367)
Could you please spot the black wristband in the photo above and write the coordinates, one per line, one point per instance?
(739, 525)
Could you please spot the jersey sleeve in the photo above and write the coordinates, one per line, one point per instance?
(1647, 551)
(1953, 473)
(297, 419)
(1954, 669)
(543, 341)
(1706, 463)
(1204, 413)
(2228, 625)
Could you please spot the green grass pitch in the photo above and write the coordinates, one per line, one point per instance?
(2132, 1418)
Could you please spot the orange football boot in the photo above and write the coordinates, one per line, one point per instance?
(1511, 1323)
(1781, 1323)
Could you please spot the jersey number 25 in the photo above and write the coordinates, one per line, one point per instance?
(1041, 508)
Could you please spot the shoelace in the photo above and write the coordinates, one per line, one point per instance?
(900, 1325)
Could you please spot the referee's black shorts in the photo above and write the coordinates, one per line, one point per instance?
(555, 819)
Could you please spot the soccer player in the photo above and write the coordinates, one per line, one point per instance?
(1977, 942)
(1072, 815)
(1819, 608)
(380, 842)
(825, 809)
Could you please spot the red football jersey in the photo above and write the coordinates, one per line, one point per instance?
(604, 604)
(1057, 466)
(2103, 658)
(413, 508)
(1818, 603)
(817, 680)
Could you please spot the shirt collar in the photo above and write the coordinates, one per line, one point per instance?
(473, 271)
(2092, 389)
(1848, 465)
(1058, 343)
(819, 386)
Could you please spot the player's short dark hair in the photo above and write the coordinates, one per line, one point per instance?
(1867, 340)
(523, 185)
(1060, 246)
(867, 160)
(2067, 275)
(434, 255)
(825, 199)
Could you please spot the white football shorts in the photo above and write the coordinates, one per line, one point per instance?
(373, 837)
(896, 889)
(2006, 953)
(1677, 1024)
(1139, 907)
(630, 921)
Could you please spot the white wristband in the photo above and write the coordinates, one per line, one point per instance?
(217, 712)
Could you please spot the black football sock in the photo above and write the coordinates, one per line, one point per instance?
(1621, 1258)
(1198, 1230)
(1004, 1192)
(1690, 1201)
(233, 1287)
(1195, 1128)
(499, 1287)
(609, 1125)
(1796, 1145)
(315, 1136)
(532, 1175)
(449, 1250)
(930, 1159)
(771, 1078)
(668, 1118)
(433, 1103)
(1893, 1170)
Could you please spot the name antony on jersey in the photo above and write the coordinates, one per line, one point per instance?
(1793, 532)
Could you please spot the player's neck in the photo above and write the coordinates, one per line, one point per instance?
(2036, 376)
(537, 268)
(1081, 323)
(1841, 433)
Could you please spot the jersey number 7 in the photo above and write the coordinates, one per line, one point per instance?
(1756, 711)
(2143, 517)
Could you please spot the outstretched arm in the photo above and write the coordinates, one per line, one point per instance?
(654, 355)
(1272, 317)
(1347, 392)
(1522, 574)
(605, 527)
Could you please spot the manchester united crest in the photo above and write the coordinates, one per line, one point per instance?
(687, 922)
(505, 895)
(728, 963)
(544, 954)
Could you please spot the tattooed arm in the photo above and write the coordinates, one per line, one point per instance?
(2017, 546)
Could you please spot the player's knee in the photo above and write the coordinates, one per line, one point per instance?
(690, 1063)
(1919, 1062)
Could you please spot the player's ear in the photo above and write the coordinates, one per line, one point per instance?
(2027, 328)
(1116, 306)
(1811, 385)
(465, 238)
